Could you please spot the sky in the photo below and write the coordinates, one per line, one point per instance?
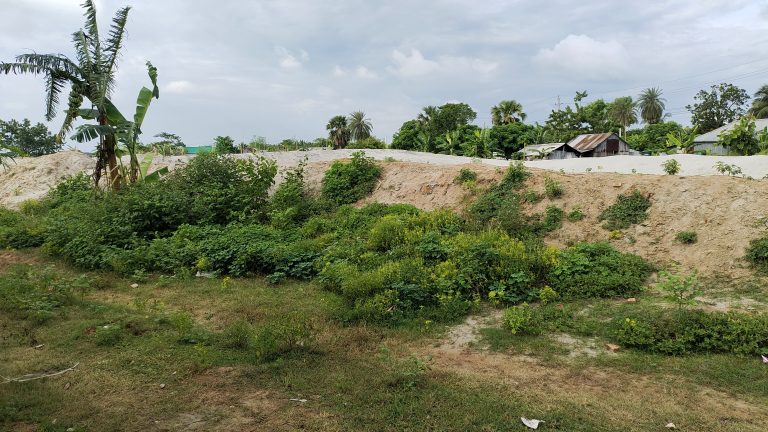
(282, 68)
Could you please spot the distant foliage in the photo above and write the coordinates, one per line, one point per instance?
(26, 139)
(628, 210)
(367, 143)
(224, 145)
(348, 182)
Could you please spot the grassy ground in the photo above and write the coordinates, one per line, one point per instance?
(166, 355)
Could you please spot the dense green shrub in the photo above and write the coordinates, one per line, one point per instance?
(687, 237)
(553, 218)
(348, 182)
(685, 331)
(18, 231)
(628, 210)
(492, 203)
(522, 319)
(757, 253)
(597, 270)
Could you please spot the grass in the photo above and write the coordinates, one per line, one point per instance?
(357, 377)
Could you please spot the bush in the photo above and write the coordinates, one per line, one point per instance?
(348, 182)
(19, 231)
(522, 319)
(687, 237)
(367, 143)
(553, 188)
(671, 166)
(575, 215)
(628, 210)
(237, 335)
(109, 335)
(597, 270)
(553, 218)
(465, 175)
(730, 169)
(686, 331)
(490, 205)
(531, 196)
(757, 253)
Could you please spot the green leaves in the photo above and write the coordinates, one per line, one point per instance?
(90, 132)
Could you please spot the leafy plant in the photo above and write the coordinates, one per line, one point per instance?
(730, 169)
(671, 166)
(628, 210)
(757, 253)
(575, 215)
(681, 289)
(521, 319)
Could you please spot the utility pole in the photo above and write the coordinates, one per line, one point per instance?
(558, 103)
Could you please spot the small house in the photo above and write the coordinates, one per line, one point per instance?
(543, 151)
(597, 145)
(708, 142)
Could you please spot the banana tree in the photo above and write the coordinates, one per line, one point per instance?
(126, 132)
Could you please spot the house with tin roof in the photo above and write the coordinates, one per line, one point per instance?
(708, 142)
(597, 145)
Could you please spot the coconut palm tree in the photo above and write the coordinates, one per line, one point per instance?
(338, 131)
(506, 112)
(622, 111)
(359, 126)
(760, 104)
(651, 105)
(91, 75)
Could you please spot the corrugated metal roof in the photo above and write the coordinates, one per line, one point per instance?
(536, 149)
(586, 142)
(713, 135)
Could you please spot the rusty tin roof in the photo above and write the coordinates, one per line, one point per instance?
(586, 142)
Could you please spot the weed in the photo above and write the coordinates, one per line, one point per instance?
(553, 218)
(465, 176)
(553, 188)
(757, 253)
(521, 319)
(531, 196)
(687, 237)
(729, 169)
(237, 335)
(681, 289)
(109, 335)
(348, 182)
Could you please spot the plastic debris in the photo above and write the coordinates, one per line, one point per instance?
(298, 400)
(670, 426)
(765, 359)
(531, 423)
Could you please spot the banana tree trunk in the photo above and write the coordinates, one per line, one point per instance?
(107, 158)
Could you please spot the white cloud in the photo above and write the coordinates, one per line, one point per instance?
(178, 87)
(364, 72)
(415, 64)
(586, 57)
(339, 71)
(289, 60)
(412, 65)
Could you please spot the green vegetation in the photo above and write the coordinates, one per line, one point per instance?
(575, 215)
(347, 182)
(465, 176)
(26, 139)
(757, 253)
(628, 210)
(553, 188)
(671, 167)
(730, 169)
(687, 237)
(722, 104)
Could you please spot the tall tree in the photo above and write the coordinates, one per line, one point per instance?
(760, 103)
(651, 105)
(506, 112)
(622, 111)
(92, 76)
(360, 127)
(31, 140)
(723, 104)
(338, 131)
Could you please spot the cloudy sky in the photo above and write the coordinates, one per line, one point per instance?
(282, 68)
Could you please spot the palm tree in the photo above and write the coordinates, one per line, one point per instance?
(92, 76)
(359, 126)
(622, 111)
(760, 104)
(506, 112)
(338, 132)
(651, 105)
(427, 120)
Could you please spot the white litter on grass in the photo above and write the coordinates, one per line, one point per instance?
(298, 400)
(765, 359)
(531, 423)
(670, 426)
